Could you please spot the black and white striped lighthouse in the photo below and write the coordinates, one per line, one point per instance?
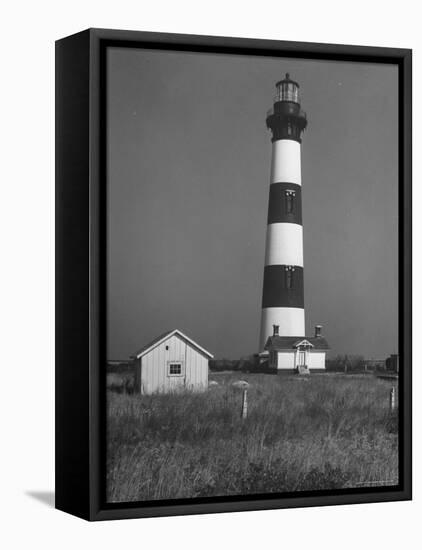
(282, 297)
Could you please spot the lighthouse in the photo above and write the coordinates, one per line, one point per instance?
(282, 334)
(282, 297)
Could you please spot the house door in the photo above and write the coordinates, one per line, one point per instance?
(301, 358)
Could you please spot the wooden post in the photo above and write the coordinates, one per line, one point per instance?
(245, 404)
(393, 399)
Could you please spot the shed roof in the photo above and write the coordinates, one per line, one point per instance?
(165, 336)
(291, 342)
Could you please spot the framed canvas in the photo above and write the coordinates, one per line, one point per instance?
(233, 280)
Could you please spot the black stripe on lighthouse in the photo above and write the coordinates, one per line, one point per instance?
(283, 286)
(285, 203)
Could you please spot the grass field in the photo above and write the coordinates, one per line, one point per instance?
(321, 432)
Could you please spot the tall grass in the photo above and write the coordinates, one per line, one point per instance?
(323, 432)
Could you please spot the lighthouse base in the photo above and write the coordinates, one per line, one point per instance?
(290, 320)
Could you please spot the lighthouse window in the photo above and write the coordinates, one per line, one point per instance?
(289, 278)
(289, 202)
(288, 92)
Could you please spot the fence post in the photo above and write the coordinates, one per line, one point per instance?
(393, 399)
(245, 404)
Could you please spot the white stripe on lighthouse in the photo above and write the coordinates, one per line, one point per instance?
(291, 322)
(285, 163)
(284, 244)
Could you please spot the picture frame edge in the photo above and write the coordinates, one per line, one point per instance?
(79, 432)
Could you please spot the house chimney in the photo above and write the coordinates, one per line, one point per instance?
(275, 330)
(318, 329)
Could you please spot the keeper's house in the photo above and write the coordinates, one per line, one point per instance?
(296, 354)
(172, 362)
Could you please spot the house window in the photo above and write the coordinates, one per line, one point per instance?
(175, 369)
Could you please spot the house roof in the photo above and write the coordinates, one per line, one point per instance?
(291, 342)
(165, 336)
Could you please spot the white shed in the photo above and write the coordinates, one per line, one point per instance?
(171, 362)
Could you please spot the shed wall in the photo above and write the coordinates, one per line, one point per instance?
(154, 368)
(196, 370)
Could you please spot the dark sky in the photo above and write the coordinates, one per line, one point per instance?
(188, 180)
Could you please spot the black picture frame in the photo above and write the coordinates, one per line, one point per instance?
(81, 270)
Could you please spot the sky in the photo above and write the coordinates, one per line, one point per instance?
(188, 174)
